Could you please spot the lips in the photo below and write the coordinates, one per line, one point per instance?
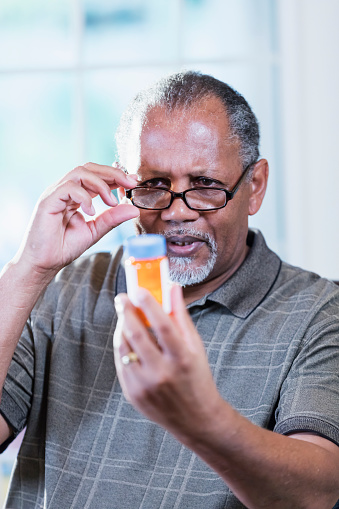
(183, 245)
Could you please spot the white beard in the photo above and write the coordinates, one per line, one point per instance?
(180, 268)
(181, 273)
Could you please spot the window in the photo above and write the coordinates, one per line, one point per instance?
(68, 68)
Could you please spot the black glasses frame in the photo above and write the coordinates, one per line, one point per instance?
(228, 194)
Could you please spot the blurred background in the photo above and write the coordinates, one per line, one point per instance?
(68, 68)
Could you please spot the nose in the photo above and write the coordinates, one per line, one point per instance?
(179, 212)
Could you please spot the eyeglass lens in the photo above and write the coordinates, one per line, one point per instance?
(196, 198)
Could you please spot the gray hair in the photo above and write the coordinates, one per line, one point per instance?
(184, 90)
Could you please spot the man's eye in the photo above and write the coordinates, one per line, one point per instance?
(156, 183)
(206, 182)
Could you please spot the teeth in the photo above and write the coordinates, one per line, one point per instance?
(182, 243)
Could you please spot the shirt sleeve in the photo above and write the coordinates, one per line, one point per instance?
(18, 388)
(25, 394)
(309, 398)
(25, 385)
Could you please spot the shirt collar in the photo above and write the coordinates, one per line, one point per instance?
(249, 285)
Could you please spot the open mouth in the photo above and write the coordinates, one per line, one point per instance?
(183, 245)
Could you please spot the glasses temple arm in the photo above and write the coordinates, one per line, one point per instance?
(238, 184)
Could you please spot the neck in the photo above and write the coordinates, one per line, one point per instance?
(196, 292)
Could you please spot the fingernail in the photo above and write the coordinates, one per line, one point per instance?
(132, 177)
(119, 307)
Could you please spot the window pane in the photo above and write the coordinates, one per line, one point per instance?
(35, 33)
(37, 146)
(106, 95)
(227, 29)
(129, 31)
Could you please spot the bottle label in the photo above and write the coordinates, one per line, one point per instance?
(152, 275)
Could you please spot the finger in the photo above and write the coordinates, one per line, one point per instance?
(101, 180)
(131, 176)
(135, 333)
(113, 175)
(94, 185)
(164, 328)
(111, 218)
(67, 195)
(121, 348)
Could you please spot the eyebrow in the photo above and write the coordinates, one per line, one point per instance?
(194, 173)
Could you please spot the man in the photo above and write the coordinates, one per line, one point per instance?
(229, 403)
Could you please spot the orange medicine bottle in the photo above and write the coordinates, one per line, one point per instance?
(146, 266)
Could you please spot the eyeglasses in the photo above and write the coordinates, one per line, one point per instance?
(197, 198)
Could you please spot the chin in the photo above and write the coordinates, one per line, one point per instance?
(184, 273)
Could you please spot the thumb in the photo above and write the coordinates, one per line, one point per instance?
(111, 218)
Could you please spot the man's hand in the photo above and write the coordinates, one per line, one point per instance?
(58, 233)
(171, 383)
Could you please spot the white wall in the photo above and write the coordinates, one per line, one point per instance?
(309, 38)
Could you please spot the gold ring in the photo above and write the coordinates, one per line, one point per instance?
(130, 357)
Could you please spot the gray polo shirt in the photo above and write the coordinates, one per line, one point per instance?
(271, 335)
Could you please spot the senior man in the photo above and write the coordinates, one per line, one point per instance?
(235, 404)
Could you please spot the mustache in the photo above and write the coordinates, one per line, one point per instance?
(192, 232)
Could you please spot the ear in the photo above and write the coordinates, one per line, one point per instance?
(258, 186)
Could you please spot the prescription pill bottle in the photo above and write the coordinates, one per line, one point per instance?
(146, 266)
